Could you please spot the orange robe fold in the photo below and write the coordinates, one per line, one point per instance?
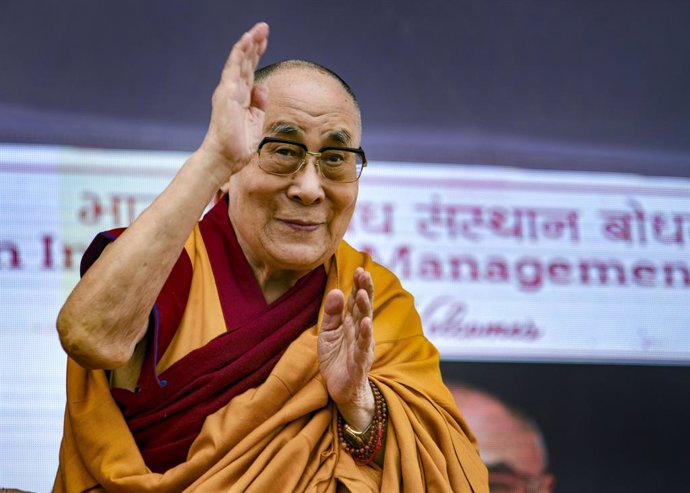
(282, 435)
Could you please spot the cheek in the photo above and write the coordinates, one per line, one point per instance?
(345, 209)
(250, 193)
(349, 203)
(248, 212)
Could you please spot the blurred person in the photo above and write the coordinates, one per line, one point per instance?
(510, 442)
(246, 351)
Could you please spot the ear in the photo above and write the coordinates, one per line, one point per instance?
(548, 483)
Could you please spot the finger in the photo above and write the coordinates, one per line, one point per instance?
(363, 305)
(263, 44)
(259, 32)
(365, 339)
(367, 283)
(231, 70)
(363, 354)
(249, 61)
(245, 54)
(333, 310)
(260, 36)
(355, 288)
(364, 283)
(248, 64)
(259, 41)
(354, 304)
(259, 96)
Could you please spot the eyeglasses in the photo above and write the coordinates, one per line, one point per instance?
(502, 479)
(285, 157)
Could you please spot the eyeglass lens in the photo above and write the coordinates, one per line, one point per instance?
(335, 164)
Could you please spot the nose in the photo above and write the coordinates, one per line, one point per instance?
(306, 185)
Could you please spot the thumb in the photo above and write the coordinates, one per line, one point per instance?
(259, 96)
(333, 310)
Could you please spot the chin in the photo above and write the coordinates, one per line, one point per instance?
(299, 259)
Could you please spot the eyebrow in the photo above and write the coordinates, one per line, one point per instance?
(339, 137)
(285, 128)
(342, 137)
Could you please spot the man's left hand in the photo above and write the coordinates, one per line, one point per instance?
(346, 349)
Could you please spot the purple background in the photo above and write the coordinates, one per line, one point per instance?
(579, 84)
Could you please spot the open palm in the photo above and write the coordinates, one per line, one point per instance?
(346, 347)
(238, 106)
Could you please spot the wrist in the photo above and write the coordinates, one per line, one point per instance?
(355, 438)
(366, 446)
(359, 411)
(212, 164)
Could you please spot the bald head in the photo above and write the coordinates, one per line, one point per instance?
(309, 88)
(508, 439)
(505, 436)
(264, 73)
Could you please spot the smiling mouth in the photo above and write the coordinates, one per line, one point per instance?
(300, 224)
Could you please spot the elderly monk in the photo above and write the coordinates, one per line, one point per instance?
(236, 353)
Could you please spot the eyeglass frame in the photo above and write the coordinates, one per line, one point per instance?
(530, 483)
(317, 155)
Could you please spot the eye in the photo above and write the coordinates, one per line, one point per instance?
(333, 158)
(286, 150)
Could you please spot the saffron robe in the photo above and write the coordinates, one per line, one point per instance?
(171, 399)
(281, 435)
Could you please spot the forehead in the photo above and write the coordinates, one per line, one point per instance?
(502, 437)
(312, 102)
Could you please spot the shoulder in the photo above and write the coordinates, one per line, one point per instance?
(348, 259)
(395, 315)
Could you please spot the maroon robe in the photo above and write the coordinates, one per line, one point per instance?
(166, 411)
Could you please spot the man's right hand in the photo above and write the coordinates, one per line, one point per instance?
(237, 116)
(107, 314)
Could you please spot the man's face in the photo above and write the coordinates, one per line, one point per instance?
(295, 223)
(511, 450)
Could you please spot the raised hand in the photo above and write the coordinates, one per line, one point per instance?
(237, 115)
(346, 349)
(107, 314)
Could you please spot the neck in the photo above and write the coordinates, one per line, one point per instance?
(275, 283)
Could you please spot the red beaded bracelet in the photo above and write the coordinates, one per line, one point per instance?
(364, 449)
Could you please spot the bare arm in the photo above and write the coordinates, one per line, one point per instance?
(106, 314)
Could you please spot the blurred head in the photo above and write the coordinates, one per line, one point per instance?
(510, 443)
(294, 223)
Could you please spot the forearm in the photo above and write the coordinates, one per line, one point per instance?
(106, 314)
